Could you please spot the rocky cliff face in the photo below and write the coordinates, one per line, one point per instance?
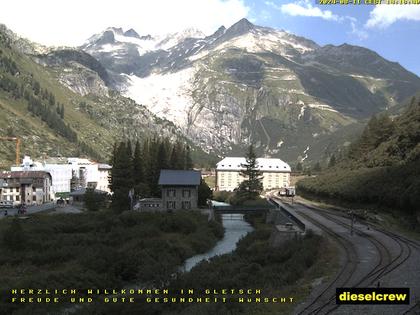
(249, 83)
(243, 84)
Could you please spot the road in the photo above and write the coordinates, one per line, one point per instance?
(369, 256)
(44, 207)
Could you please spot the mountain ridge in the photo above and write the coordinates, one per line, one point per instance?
(264, 76)
(243, 84)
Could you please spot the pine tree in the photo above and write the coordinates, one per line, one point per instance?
(93, 200)
(204, 193)
(154, 168)
(332, 161)
(162, 156)
(317, 167)
(138, 173)
(174, 159)
(252, 186)
(62, 111)
(121, 177)
(188, 159)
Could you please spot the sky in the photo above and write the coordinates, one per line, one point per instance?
(393, 31)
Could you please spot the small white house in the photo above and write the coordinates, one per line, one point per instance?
(275, 172)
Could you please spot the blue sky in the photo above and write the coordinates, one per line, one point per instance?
(393, 31)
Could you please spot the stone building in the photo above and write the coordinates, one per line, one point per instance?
(27, 187)
(179, 189)
(275, 172)
(69, 173)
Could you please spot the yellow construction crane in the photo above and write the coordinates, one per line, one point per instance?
(17, 147)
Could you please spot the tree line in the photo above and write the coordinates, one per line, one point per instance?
(40, 101)
(137, 167)
(381, 167)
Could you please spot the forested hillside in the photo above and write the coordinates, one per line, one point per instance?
(382, 167)
(39, 106)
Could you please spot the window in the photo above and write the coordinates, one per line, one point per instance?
(171, 193)
(34, 198)
(17, 189)
(170, 204)
(186, 193)
(186, 205)
(17, 198)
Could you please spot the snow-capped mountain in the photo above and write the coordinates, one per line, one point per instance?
(251, 83)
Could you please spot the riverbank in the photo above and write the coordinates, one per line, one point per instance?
(96, 250)
(278, 279)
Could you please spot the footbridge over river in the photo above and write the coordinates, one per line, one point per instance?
(224, 208)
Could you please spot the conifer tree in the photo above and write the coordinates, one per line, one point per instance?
(204, 193)
(138, 173)
(252, 186)
(188, 159)
(121, 177)
(162, 157)
(332, 161)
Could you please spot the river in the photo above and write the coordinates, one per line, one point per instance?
(235, 228)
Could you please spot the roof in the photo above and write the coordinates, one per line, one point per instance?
(25, 174)
(264, 164)
(179, 178)
(82, 191)
(151, 200)
(102, 166)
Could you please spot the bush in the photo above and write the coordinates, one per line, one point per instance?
(222, 196)
(14, 237)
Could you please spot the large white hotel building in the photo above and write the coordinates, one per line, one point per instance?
(275, 172)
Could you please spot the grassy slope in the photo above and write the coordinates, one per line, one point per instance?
(385, 174)
(37, 138)
(109, 118)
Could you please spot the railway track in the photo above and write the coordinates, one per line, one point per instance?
(406, 247)
(376, 273)
(324, 302)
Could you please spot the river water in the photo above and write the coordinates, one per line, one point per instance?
(235, 228)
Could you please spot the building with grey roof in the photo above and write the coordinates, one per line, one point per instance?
(179, 189)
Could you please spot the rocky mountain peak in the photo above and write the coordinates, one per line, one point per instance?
(107, 37)
(242, 26)
(132, 33)
(116, 30)
(146, 37)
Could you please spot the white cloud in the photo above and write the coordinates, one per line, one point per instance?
(53, 22)
(383, 16)
(360, 33)
(305, 8)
